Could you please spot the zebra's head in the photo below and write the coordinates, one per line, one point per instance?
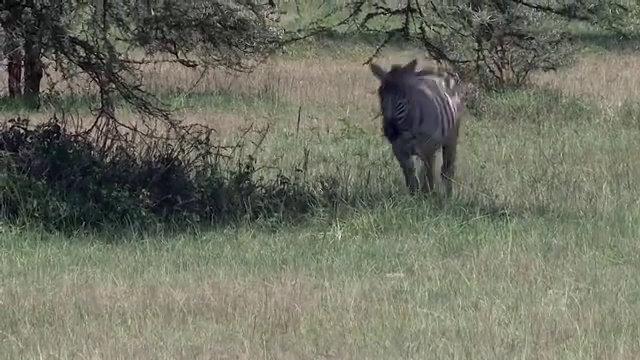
(396, 73)
(393, 88)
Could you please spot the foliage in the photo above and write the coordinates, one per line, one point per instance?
(500, 44)
(494, 43)
(69, 179)
(217, 33)
(85, 39)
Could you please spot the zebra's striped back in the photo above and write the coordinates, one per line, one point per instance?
(421, 113)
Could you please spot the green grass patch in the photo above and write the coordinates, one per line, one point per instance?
(221, 100)
(402, 280)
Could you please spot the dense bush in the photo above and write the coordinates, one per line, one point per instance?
(67, 179)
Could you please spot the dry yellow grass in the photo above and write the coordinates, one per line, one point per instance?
(347, 85)
(606, 78)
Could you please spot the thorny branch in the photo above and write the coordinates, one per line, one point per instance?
(202, 34)
(495, 42)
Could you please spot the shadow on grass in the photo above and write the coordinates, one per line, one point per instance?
(305, 207)
(67, 193)
(12, 105)
(174, 100)
(472, 208)
(66, 102)
(459, 211)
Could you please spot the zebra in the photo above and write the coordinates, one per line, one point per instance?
(421, 114)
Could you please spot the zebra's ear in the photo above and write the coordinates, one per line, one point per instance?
(411, 66)
(454, 75)
(451, 78)
(378, 71)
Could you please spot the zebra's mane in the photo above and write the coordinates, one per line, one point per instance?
(443, 78)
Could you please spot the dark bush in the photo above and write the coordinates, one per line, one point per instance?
(69, 179)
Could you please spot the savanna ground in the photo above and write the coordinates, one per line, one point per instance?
(536, 257)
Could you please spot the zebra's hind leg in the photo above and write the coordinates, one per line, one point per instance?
(403, 155)
(448, 169)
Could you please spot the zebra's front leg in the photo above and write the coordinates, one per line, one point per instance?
(448, 169)
(403, 155)
(426, 178)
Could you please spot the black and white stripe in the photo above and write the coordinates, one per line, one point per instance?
(421, 113)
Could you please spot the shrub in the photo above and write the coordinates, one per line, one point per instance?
(68, 179)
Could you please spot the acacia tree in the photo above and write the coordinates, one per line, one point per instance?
(493, 42)
(81, 37)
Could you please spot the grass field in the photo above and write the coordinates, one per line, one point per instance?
(536, 257)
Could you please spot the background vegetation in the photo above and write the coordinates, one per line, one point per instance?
(165, 201)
